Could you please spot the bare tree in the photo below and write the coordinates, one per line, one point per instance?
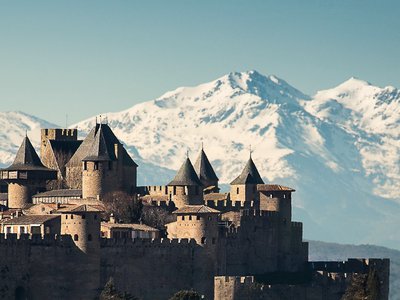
(126, 208)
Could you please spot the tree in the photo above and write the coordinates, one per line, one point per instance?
(126, 208)
(111, 293)
(156, 217)
(186, 295)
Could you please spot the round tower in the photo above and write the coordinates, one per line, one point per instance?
(98, 168)
(82, 223)
(198, 222)
(186, 188)
(93, 179)
(26, 176)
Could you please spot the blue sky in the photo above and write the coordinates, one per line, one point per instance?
(83, 58)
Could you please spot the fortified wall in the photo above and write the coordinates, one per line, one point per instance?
(322, 280)
(46, 267)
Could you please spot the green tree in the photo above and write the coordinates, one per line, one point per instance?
(111, 293)
(186, 295)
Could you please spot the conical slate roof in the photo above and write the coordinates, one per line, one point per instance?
(27, 158)
(84, 148)
(203, 168)
(249, 175)
(186, 175)
(102, 149)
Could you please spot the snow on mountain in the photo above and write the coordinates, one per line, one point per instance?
(326, 146)
(14, 126)
(372, 114)
(339, 149)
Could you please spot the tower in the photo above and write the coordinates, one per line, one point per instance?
(26, 176)
(101, 164)
(82, 223)
(206, 174)
(99, 168)
(198, 222)
(274, 197)
(56, 134)
(244, 187)
(186, 187)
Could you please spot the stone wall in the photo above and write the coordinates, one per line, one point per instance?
(45, 268)
(156, 269)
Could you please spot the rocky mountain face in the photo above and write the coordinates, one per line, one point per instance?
(339, 149)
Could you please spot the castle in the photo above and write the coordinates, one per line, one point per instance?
(237, 245)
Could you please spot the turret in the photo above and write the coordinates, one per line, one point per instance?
(244, 187)
(186, 188)
(278, 198)
(82, 223)
(206, 174)
(198, 222)
(99, 167)
(26, 176)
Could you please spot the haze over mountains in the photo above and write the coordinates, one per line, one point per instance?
(339, 149)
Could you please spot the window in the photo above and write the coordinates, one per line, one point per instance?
(76, 238)
(66, 217)
(198, 217)
(9, 229)
(95, 216)
(174, 190)
(209, 218)
(85, 165)
(203, 240)
(21, 229)
(96, 165)
(72, 216)
(83, 216)
(190, 217)
(237, 190)
(89, 237)
(183, 218)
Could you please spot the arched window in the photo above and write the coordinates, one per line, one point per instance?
(72, 216)
(89, 237)
(76, 238)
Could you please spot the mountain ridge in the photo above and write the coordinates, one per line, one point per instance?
(325, 148)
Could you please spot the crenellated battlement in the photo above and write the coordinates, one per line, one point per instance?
(35, 239)
(352, 265)
(297, 225)
(255, 215)
(228, 205)
(138, 242)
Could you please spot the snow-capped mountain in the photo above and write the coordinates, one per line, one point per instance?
(13, 128)
(339, 149)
